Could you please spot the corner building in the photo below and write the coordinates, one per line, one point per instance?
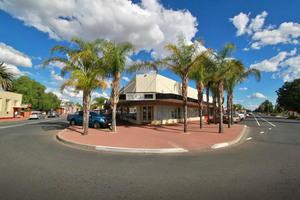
(155, 99)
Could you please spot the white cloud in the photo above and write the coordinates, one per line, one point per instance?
(244, 88)
(56, 76)
(272, 64)
(240, 22)
(251, 106)
(125, 78)
(291, 69)
(96, 94)
(56, 64)
(9, 55)
(14, 70)
(286, 33)
(257, 23)
(70, 92)
(257, 96)
(59, 95)
(148, 25)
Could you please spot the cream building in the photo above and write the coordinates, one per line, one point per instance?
(155, 99)
(10, 103)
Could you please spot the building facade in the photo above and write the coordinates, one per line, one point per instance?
(10, 103)
(155, 99)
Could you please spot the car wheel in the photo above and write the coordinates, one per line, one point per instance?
(96, 125)
(73, 122)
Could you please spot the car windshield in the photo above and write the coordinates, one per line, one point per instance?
(96, 114)
(33, 114)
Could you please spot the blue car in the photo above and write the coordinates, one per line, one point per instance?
(96, 119)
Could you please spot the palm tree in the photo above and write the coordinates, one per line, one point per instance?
(5, 78)
(114, 61)
(235, 78)
(181, 59)
(200, 74)
(86, 68)
(99, 101)
(222, 69)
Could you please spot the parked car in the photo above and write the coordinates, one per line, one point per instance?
(37, 116)
(96, 119)
(225, 119)
(53, 114)
(43, 112)
(236, 119)
(241, 115)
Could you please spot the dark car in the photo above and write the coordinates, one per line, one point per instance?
(53, 114)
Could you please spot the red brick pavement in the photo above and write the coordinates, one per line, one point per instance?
(154, 137)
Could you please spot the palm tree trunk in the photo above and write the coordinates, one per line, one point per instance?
(220, 104)
(214, 108)
(228, 110)
(207, 102)
(200, 88)
(184, 98)
(231, 108)
(86, 111)
(114, 101)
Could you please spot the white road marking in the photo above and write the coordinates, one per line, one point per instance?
(268, 121)
(249, 138)
(262, 132)
(256, 120)
(270, 128)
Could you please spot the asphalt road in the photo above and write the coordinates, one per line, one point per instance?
(34, 165)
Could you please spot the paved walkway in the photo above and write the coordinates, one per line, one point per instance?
(13, 119)
(156, 139)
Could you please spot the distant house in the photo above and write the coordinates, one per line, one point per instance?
(155, 99)
(9, 104)
(69, 109)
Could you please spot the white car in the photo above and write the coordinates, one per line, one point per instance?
(241, 115)
(37, 116)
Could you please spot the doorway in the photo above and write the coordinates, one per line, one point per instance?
(147, 113)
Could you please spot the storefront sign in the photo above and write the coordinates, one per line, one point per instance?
(140, 96)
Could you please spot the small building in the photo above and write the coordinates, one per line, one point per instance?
(9, 104)
(155, 99)
(68, 109)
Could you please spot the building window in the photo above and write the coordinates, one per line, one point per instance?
(148, 96)
(16, 103)
(8, 105)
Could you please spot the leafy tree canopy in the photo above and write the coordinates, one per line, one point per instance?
(33, 93)
(289, 95)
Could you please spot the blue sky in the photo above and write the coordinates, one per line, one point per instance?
(265, 32)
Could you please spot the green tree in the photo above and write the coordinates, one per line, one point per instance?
(200, 74)
(86, 68)
(237, 76)
(114, 61)
(49, 101)
(182, 58)
(99, 101)
(237, 107)
(6, 78)
(222, 69)
(265, 107)
(33, 93)
(289, 96)
(30, 89)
